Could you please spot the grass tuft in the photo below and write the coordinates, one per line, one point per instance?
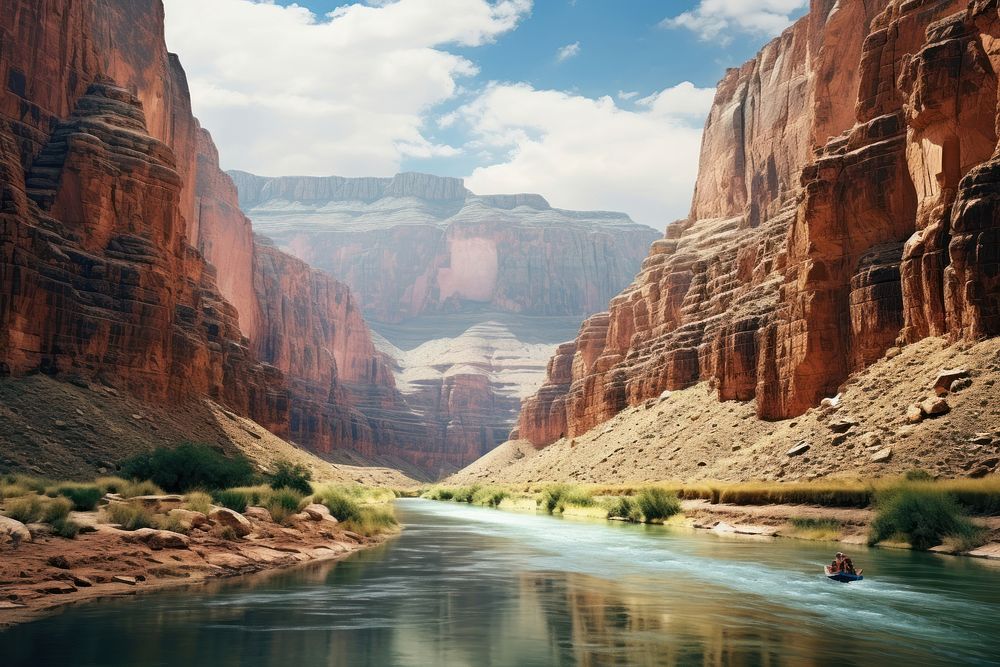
(657, 504)
(491, 496)
(128, 516)
(83, 496)
(38, 509)
(624, 507)
(198, 501)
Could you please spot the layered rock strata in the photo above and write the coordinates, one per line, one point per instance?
(112, 201)
(423, 253)
(838, 209)
(416, 244)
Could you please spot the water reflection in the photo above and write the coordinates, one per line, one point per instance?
(464, 586)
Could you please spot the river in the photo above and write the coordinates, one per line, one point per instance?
(468, 586)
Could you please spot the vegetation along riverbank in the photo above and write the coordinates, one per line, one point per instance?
(960, 517)
(177, 517)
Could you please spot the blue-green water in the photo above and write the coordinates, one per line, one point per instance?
(471, 586)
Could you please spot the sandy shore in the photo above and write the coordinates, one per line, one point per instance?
(40, 577)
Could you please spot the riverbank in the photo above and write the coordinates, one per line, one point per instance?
(844, 512)
(42, 576)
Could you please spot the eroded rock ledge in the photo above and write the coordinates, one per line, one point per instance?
(806, 257)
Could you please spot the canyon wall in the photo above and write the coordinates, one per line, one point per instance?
(839, 211)
(125, 259)
(417, 244)
(471, 293)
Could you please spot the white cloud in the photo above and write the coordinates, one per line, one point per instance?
(719, 19)
(568, 51)
(626, 96)
(589, 153)
(286, 92)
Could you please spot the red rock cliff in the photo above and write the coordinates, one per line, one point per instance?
(837, 209)
(108, 187)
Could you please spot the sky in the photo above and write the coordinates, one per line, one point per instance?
(595, 104)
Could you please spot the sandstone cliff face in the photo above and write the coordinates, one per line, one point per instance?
(419, 249)
(837, 210)
(111, 202)
(418, 245)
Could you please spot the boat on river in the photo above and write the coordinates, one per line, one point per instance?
(842, 577)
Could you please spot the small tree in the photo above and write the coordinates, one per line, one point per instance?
(292, 476)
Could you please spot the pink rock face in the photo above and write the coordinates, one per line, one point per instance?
(806, 256)
(472, 274)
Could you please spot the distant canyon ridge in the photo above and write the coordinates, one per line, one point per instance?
(468, 295)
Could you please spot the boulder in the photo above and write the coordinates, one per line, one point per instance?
(914, 414)
(13, 531)
(944, 379)
(882, 455)
(935, 407)
(831, 403)
(121, 579)
(870, 440)
(318, 513)
(959, 385)
(259, 514)
(230, 519)
(982, 439)
(843, 425)
(799, 449)
(189, 518)
(159, 539)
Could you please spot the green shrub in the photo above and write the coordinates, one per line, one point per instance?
(921, 516)
(657, 504)
(83, 496)
(918, 475)
(292, 476)
(128, 516)
(190, 466)
(282, 504)
(465, 494)
(491, 496)
(239, 498)
(557, 497)
(127, 488)
(625, 508)
(550, 496)
(66, 528)
(439, 493)
(38, 509)
(198, 501)
(341, 507)
(32, 484)
(371, 521)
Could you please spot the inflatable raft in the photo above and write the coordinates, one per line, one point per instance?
(842, 577)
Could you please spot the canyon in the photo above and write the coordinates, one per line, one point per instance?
(840, 213)
(468, 294)
(127, 264)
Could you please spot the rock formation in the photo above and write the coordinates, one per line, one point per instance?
(838, 209)
(124, 257)
(424, 253)
(418, 245)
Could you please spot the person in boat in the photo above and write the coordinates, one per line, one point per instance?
(838, 561)
(842, 563)
(848, 565)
